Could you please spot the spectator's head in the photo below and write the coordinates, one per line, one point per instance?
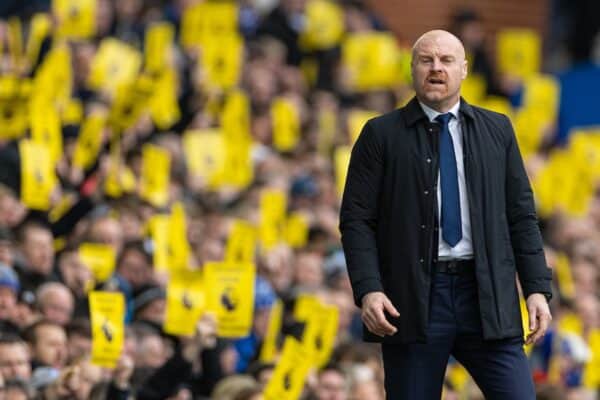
(15, 359)
(9, 290)
(438, 68)
(106, 230)
(467, 25)
(332, 384)
(308, 269)
(74, 273)
(79, 336)
(135, 265)
(48, 342)
(55, 302)
(261, 372)
(150, 304)
(231, 386)
(12, 210)
(6, 246)
(17, 389)
(151, 350)
(37, 247)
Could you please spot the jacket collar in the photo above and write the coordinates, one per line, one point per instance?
(413, 111)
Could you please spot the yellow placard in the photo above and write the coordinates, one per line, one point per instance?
(39, 29)
(156, 170)
(286, 124)
(371, 60)
(296, 230)
(164, 107)
(239, 171)
(89, 141)
(208, 20)
(76, 19)
(46, 128)
(107, 314)
(38, 178)
(230, 289)
(273, 209)
(14, 33)
(157, 44)
(542, 92)
(518, 52)
(179, 248)
(158, 228)
(268, 351)
(321, 326)
(327, 130)
(341, 160)
(186, 300)
(221, 61)
(591, 371)
(100, 259)
(129, 102)
(53, 81)
(241, 242)
(235, 118)
(356, 120)
(14, 106)
(204, 153)
(566, 285)
(473, 89)
(116, 63)
(290, 373)
(325, 25)
(498, 104)
(525, 322)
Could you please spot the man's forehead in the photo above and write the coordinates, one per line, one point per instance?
(439, 42)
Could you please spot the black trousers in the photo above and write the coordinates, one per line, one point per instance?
(416, 371)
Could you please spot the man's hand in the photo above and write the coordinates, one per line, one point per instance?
(373, 306)
(539, 317)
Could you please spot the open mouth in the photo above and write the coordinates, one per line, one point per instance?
(436, 81)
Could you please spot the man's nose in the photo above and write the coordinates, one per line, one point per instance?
(436, 65)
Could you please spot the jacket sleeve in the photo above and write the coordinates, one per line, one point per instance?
(358, 216)
(525, 236)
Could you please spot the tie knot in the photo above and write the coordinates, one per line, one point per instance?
(444, 118)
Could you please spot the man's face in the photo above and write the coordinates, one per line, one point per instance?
(58, 307)
(38, 250)
(15, 361)
(135, 269)
(50, 347)
(8, 301)
(332, 386)
(76, 275)
(438, 69)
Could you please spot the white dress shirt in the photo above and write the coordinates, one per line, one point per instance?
(464, 248)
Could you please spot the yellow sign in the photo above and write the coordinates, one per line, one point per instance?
(159, 38)
(286, 124)
(178, 244)
(296, 230)
(158, 227)
(371, 60)
(241, 243)
(115, 63)
(290, 373)
(100, 259)
(164, 107)
(273, 209)
(268, 351)
(341, 160)
(40, 28)
(156, 170)
(208, 20)
(204, 154)
(221, 60)
(186, 300)
(38, 178)
(321, 326)
(324, 25)
(107, 314)
(231, 294)
(518, 52)
(76, 19)
(89, 141)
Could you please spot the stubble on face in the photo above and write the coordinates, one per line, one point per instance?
(438, 68)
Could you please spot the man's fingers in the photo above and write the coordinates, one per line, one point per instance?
(383, 323)
(533, 319)
(390, 308)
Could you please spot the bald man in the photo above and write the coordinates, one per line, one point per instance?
(437, 221)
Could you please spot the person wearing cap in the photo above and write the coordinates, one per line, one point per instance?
(9, 291)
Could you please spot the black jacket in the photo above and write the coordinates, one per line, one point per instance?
(389, 218)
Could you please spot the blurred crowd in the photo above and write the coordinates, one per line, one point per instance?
(45, 328)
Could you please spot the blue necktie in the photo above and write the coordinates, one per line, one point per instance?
(450, 218)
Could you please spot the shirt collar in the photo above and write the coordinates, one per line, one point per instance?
(431, 113)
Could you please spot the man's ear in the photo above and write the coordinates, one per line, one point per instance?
(465, 69)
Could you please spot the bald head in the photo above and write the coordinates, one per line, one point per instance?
(441, 38)
(438, 68)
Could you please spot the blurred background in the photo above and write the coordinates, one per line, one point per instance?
(171, 174)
